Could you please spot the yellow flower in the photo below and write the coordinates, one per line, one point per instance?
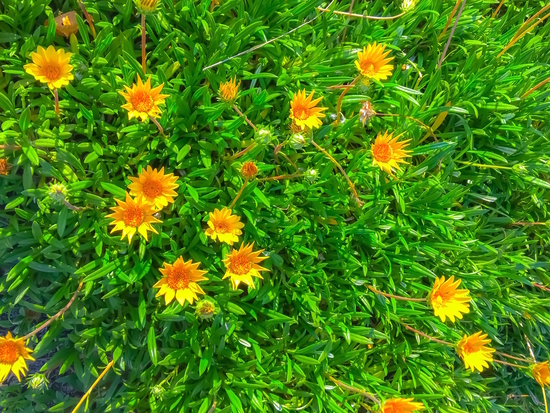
(304, 111)
(447, 300)
(473, 351)
(4, 166)
(66, 21)
(229, 90)
(249, 169)
(154, 187)
(133, 216)
(13, 354)
(387, 153)
(541, 373)
(142, 100)
(373, 63)
(241, 265)
(224, 226)
(401, 406)
(147, 6)
(51, 66)
(180, 281)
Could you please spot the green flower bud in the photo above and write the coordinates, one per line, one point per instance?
(57, 192)
(38, 382)
(206, 309)
(298, 141)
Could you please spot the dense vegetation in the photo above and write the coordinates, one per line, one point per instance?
(311, 336)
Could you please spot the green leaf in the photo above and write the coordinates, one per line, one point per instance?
(152, 345)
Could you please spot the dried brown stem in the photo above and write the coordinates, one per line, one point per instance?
(55, 317)
(397, 297)
(245, 118)
(523, 30)
(56, 99)
(354, 389)
(280, 177)
(512, 357)
(545, 81)
(143, 42)
(152, 119)
(335, 162)
(360, 16)
(542, 287)
(449, 20)
(346, 28)
(509, 364)
(89, 18)
(420, 333)
(339, 104)
(498, 8)
(241, 153)
(451, 35)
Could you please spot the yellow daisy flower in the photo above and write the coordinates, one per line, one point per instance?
(473, 351)
(447, 300)
(304, 111)
(180, 281)
(154, 186)
(241, 265)
(387, 153)
(142, 100)
(373, 63)
(249, 169)
(133, 216)
(229, 90)
(51, 66)
(541, 373)
(13, 354)
(401, 406)
(224, 226)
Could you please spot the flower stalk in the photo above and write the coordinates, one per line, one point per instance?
(242, 115)
(238, 194)
(397, 297)
(354, 389)
(281, 177)
(55, 317)
(87, 394)
(56, 97)
(143, 41)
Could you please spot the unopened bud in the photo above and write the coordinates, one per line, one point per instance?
(38, 382)
(57, 192)
(206, 309)
(298, 141)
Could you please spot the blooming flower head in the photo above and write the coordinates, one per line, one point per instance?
(154, 186)
(147, 6)
(249, 169)
(366, 112)
(4, 166)
(541, 373)
(51, 66)
(180, 281)
(401, 406)
(473, 351)
(229, 90)
(13, 354)
(242, 264)
(408, 5)
(224, 226)
(133, 216)
(387, 153)
(372, 62)
(304, 111)
(142, 101)
(448, 300)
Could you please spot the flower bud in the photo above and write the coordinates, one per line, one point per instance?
(311, 175)
(249, 170)
(298, 141)
(38, 382)
(206, 309)
(157, 391)
(57, 192)
(264, 136)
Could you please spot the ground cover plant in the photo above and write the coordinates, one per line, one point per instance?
(274, 206)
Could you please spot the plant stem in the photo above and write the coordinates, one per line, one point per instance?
(498, 8)
(430, 131)
(346, 28)
(451, 35)
(280, 177)
(420, 333)
(360, 16)
(449, 20)
(143, 40)
(509, 364)
(512, 357)
(55, 317)
(397, 297)
(56, 99)
(288, 160)
(241, 153)
(523, 30)
(93, 386)
(89, 18)
(244, 116)
(542, 287)
(545, 81)
(339, 104)
(544, 396)
(335, 162)
(354, 389)
(480, 165)
(152, 119)
(238, 195)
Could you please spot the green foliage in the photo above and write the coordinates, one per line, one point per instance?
(462, 207)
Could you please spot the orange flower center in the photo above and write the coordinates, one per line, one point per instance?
(440, 298)
(179, 278)
(240, 265)
(51, 72)
(249, 169)
(152, 188)
(221, 227)
(471, 347)
(9, 352)
(368, 68)
(142, 101)
(301, 112)
(382, 152)
(133, 216)
(3, 167)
